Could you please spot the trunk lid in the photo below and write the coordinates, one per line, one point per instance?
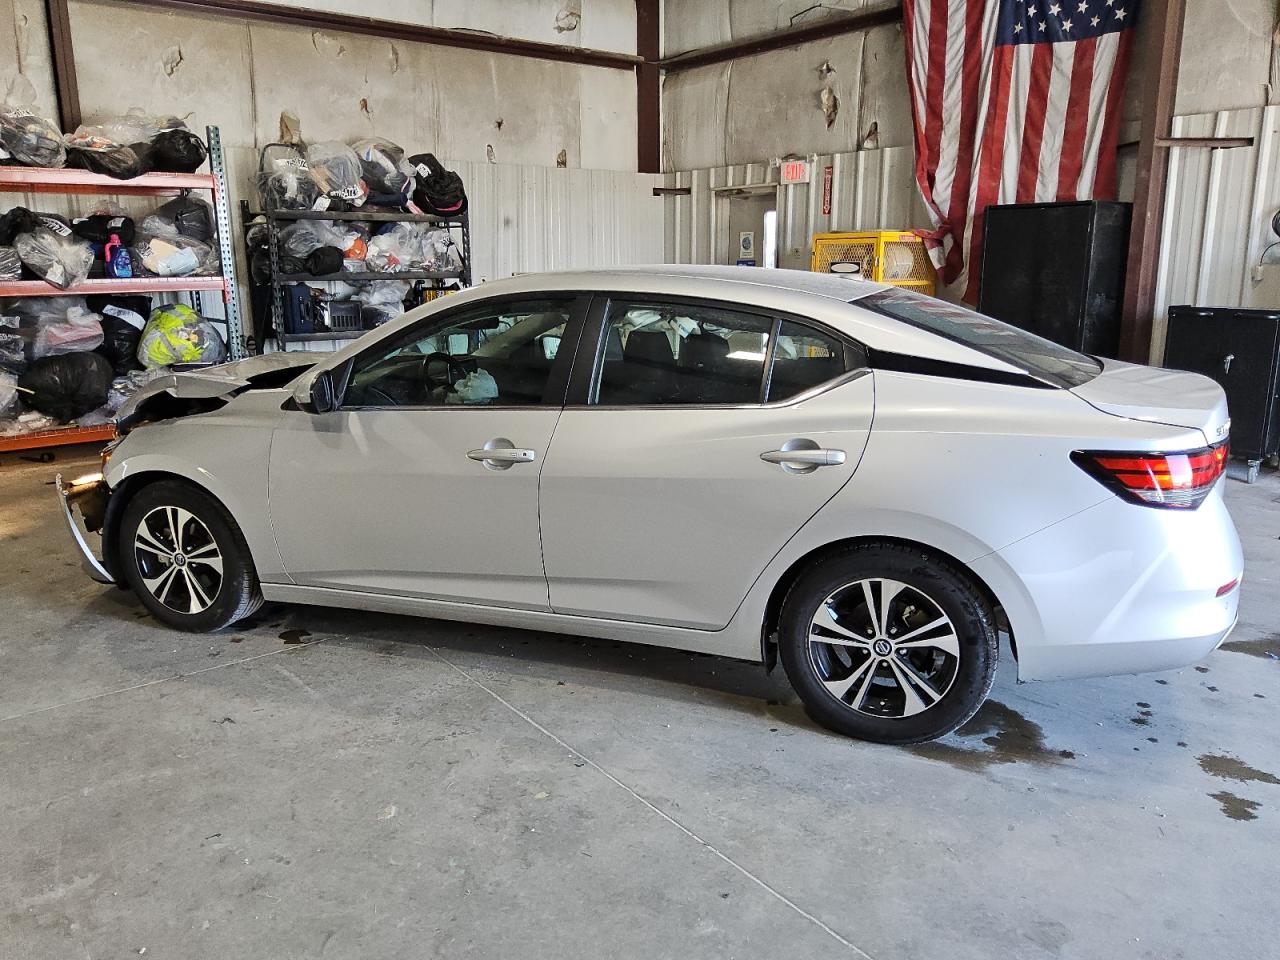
(1171, 397)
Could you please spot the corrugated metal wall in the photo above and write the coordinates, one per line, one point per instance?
(870, 189)
(526, 219)
(1218, 214)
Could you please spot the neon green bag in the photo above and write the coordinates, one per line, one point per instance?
(177, 334)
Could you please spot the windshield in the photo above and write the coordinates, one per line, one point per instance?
(1039, 357)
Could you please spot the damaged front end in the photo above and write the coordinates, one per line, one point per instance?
(189, 392)
(90, 494)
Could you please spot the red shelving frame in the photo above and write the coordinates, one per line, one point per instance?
(68, 181)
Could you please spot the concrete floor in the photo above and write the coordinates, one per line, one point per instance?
(333, 784)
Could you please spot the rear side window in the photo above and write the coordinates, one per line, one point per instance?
(803, 359)
(1043, 359)
(659, 354)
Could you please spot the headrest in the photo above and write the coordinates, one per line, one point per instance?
(648, 347)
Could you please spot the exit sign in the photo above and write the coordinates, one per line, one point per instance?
(795, 171)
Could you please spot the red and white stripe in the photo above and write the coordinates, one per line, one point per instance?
(997, 124)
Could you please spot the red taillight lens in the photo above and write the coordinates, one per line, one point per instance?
(1180, 481)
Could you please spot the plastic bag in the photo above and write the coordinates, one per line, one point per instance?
(191, 216)
(173, 256)
(13, 352)
(132, 127)
(384, 293)
(123, 319)
(61, 261)
(8, 395)
(78, 330)
(68, 386)
(100, 155)
(386, 172)
(177, 334)
(337, 171)
(122, 388)
(30, 139)
(284, 179)
(177, 151)
(10, 264)
(300, 239)
(324, 261)
(478, 386)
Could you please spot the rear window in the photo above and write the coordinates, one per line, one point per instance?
(1039, 357)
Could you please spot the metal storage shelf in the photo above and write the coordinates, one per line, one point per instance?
(356, 277)
(317, 337)
(371, 217)
(71, 181)
(39, 288)
(66, 180)
(273, 220)
(58, 437)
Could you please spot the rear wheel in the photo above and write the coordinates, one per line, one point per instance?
(886, 642)
(186, 559)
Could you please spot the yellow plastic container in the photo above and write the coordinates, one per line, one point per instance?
(888, 256)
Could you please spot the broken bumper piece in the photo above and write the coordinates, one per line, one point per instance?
(90, 494)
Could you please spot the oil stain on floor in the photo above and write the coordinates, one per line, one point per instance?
(1267, 648)
(1226, 767)
(1009, 736)
(1236, 808)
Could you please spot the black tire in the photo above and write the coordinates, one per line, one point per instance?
(214, 537)
(889, 683)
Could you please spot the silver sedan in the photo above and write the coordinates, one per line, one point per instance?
(864, 483)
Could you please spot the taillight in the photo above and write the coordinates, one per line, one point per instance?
(1180, 481)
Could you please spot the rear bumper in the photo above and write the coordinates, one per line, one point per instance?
(90, 494)
(1119, 589)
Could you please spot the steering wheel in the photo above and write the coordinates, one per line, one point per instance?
(455, 370)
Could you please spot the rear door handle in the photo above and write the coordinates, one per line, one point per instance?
(806, 458)
(802, 455)
(501, 454)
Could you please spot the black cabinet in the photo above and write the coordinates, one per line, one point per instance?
(1241, 350)
(1057, 270)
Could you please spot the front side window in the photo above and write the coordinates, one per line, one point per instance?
(1041, 358)
(492, 356)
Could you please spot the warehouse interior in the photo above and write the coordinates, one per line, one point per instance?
(321, 782)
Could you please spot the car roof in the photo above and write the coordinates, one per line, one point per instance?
(827, 298)
(829, 285)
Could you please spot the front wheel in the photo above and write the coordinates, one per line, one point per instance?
(886, 642)
(186, 559)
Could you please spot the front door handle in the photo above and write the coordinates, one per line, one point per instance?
(501, 454)
(803, 456)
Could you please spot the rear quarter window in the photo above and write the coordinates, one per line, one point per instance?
(1041, 358)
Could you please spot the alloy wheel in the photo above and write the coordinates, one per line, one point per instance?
(178, 558)
(884, 648)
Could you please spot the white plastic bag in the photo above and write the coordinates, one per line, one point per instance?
(8, 395)
(337, 171)
(476, 387)
(306, 236)
(79, 329)
(24, 136)
(62, 261)
(177, 334)
(135, 126)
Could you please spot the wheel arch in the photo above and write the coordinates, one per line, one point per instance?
(125, 491)
(773, 606)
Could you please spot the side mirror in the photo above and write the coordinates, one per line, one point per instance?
(314, 393)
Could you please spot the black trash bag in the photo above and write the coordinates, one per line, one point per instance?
(67, 386)
(100, 228)
(324, 261)
(177, 151)
(191, 216)
(123, 317)
(145, 154)
(114, 160)
(16, 221)
(293, 266)
(439, 191)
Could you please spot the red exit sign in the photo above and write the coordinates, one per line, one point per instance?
(795, 171)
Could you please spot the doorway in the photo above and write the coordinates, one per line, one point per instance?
(753, 230)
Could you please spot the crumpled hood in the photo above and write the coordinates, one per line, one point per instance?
(223, 380)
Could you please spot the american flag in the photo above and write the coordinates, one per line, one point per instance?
(1015, 101)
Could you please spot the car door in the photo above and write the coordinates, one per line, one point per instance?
(698, 438)
(424, 482)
